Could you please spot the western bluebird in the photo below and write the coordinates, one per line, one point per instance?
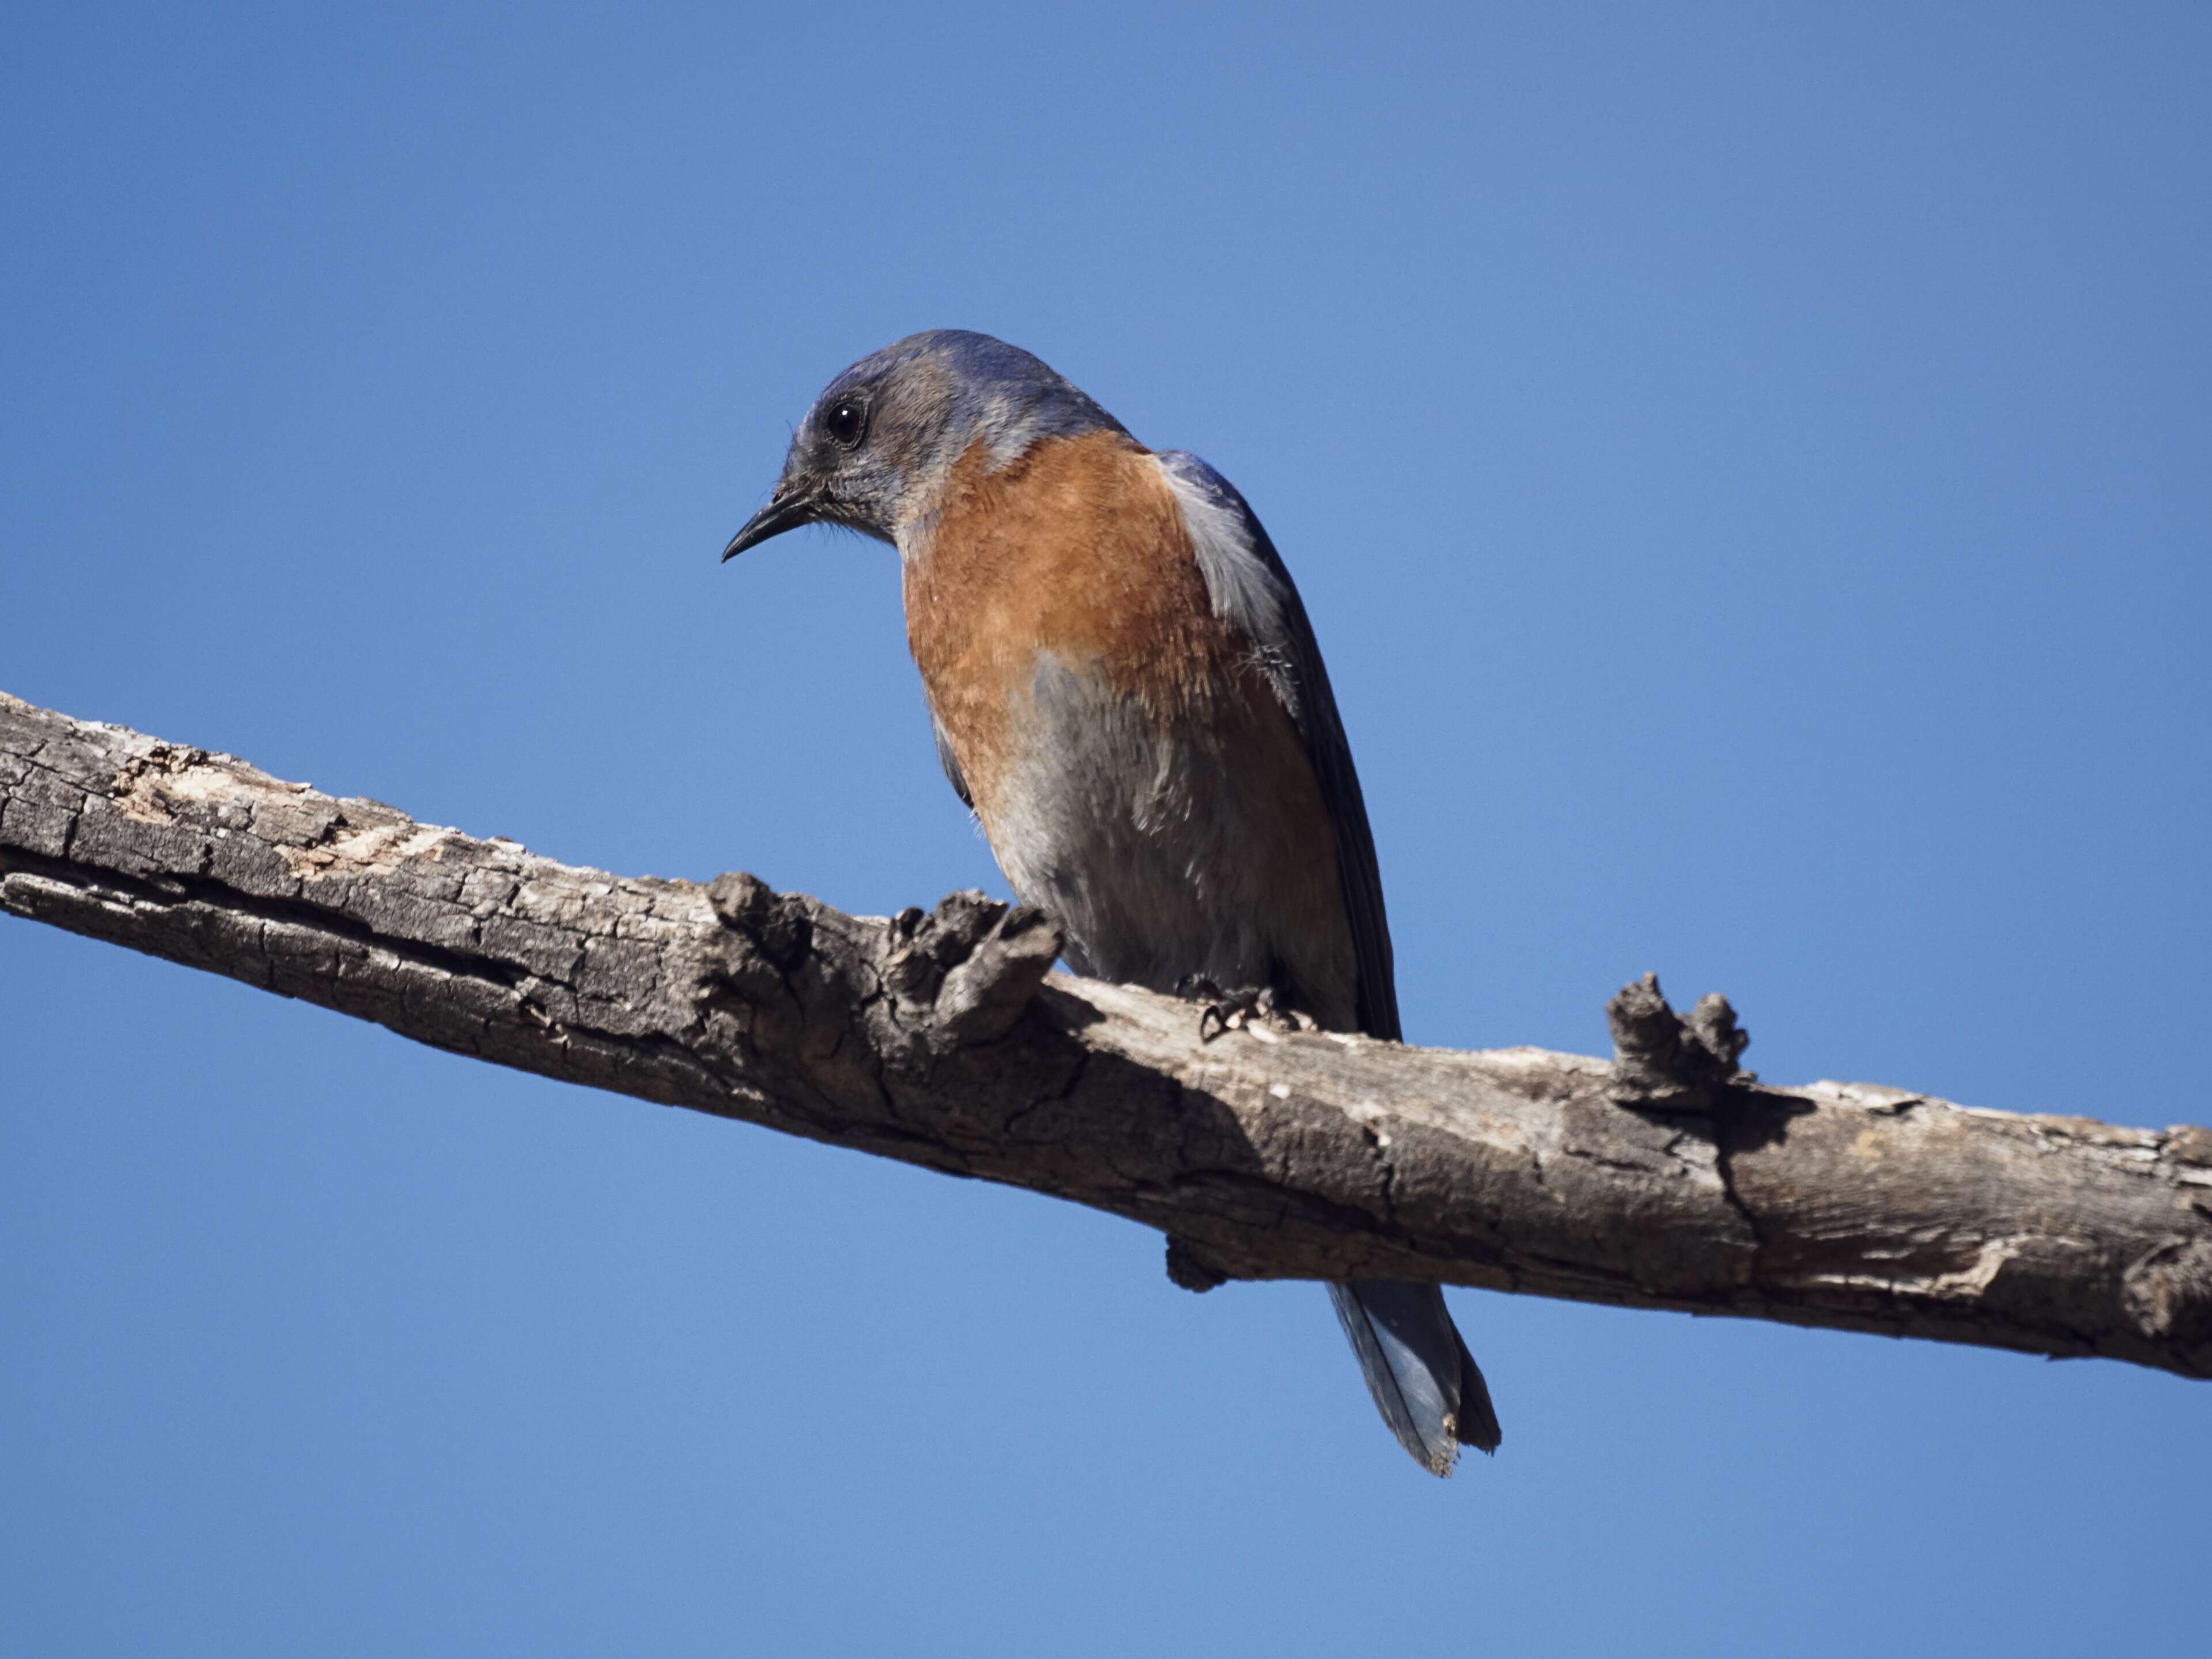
(1127, 692)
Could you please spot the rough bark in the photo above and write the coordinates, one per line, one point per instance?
(1664, 1179)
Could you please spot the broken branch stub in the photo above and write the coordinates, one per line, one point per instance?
(1666, 1061)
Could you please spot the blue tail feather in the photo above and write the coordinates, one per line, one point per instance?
(1425, 1383)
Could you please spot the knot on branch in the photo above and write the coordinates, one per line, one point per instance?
(777, 922)
(2188, 1143)
(963, 973)
(2168, 1293)
(1671, 1061)
(773, 931)
(1187, 1267)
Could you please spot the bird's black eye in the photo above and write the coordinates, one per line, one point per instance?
(846, 420)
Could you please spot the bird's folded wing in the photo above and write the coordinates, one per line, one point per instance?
(1252, 589)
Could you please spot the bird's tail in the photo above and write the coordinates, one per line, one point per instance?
(1426, 1384)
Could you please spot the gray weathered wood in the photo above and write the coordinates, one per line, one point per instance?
(1666, 1180)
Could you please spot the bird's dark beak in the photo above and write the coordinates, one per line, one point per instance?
(787, 510)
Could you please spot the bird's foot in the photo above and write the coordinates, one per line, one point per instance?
(1237, 1011)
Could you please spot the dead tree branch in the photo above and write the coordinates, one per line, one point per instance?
(1665, 1179)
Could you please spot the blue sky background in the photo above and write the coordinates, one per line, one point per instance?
(1748, 468)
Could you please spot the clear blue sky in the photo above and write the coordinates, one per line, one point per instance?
(1748, 466)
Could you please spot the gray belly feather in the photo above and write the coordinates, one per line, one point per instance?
(1162, 852)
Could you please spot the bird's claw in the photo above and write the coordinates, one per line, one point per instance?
(1234, 1011)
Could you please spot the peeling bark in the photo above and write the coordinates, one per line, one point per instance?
(1665, 1179)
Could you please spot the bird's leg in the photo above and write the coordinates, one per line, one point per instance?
(1233, 1011)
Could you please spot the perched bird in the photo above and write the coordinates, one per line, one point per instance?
(1127, 692)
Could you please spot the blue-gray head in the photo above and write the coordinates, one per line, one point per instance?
(882, 438)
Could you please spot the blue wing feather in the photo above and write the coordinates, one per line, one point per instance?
(950, 762)
(1250, 586)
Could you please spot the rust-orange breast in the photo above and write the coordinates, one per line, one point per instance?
(1078, 549)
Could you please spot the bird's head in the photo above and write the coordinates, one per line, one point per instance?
(881, 440)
